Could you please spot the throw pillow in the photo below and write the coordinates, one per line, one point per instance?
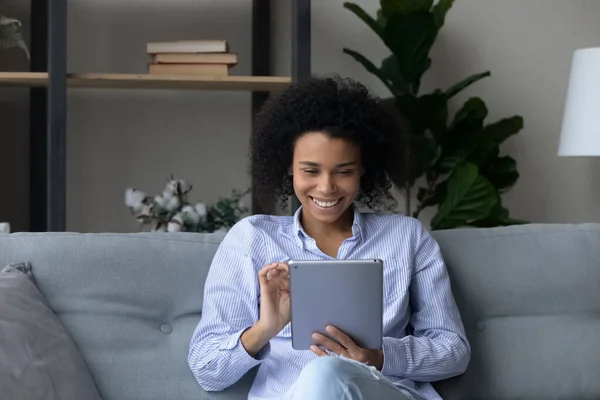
(38, 359)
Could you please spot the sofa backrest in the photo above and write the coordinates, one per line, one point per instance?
(530, 301)
(130, 303)
(529, 298)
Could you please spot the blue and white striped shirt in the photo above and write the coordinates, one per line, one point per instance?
(424, 338)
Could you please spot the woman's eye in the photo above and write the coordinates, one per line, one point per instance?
(345, 171)
(310, 171)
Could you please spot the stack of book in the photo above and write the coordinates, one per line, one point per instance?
(190, 57)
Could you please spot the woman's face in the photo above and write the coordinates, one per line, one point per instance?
(326, 175)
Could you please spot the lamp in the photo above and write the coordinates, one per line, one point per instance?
(580, 134)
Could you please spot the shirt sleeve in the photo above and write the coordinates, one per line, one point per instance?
(217, 357)
(438, 347)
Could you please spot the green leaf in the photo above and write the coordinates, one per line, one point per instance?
(410, 38)
(460, 86)
(433, 197)
(432, 113)
(390, 69)
(391, 7)
(440, 10)
(422, 153)
(366, 18)
(469, 197)
(502, 173)
(486, 144)
(369, 66)
(458, 143)
(471, 115)
(381, 19)
(498, 217)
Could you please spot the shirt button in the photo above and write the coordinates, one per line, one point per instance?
(164, 328)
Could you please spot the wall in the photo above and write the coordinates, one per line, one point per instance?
(122, 138)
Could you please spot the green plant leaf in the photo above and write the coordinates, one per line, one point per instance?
(369, 66)
(390, 69)
(501, 172)
(440, 10)
(432, 113)
(486, 144)
(410, 38)
(381, 19)
(460, 86)
(366, 18)
(391, 7)
(499, 216)
(422, 153)
(469, 197)
(458, 143)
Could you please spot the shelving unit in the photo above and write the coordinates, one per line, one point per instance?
(141, 81)
(49, 82)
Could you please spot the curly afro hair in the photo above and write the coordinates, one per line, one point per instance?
(341, 108)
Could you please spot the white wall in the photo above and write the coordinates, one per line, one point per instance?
(123, 138)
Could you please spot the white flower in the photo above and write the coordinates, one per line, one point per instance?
(178, 187)
(134, 199)
(167, 194)
(176, 224)
(201, 210)
(190, 215)
(173, 204)
(160, 201)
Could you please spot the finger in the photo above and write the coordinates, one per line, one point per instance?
(341, 337)
(328, 343)
(317, 350)
(262, 274)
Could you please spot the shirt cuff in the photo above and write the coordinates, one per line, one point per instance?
(239, 355)
(394, 357)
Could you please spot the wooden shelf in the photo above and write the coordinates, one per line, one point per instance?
(142, 81)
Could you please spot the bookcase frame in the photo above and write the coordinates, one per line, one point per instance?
(49, 80)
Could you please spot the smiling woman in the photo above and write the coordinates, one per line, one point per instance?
(345, 115)
(328, 142)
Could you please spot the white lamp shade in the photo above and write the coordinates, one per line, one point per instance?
(580, 135)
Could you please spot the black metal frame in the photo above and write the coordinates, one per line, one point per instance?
(48, 106)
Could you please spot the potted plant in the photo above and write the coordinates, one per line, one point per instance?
(455, 162)
(171, 211)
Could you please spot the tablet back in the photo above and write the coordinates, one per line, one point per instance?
(347, 294)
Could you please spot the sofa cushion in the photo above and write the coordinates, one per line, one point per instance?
(530, 300)
(38, 359)
(130, 302)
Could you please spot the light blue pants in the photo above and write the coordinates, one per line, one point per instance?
(339, 378)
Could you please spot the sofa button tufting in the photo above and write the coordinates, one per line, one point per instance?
(164, 328)
(480, 326)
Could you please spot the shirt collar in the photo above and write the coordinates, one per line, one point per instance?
(358, 227)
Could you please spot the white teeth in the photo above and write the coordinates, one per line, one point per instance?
(326, 204)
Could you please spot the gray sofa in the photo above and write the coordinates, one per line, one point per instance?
(529, 297)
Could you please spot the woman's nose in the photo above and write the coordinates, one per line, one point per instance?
(326, 185)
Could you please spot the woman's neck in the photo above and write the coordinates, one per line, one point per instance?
(317, 229)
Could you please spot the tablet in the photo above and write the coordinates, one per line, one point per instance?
(347, 294)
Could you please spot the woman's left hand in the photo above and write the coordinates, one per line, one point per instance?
(346, 348)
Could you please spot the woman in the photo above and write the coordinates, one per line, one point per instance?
(328, 142)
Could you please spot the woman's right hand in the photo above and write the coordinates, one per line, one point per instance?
(275, 310)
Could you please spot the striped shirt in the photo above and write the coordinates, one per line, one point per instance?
(424, 338)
